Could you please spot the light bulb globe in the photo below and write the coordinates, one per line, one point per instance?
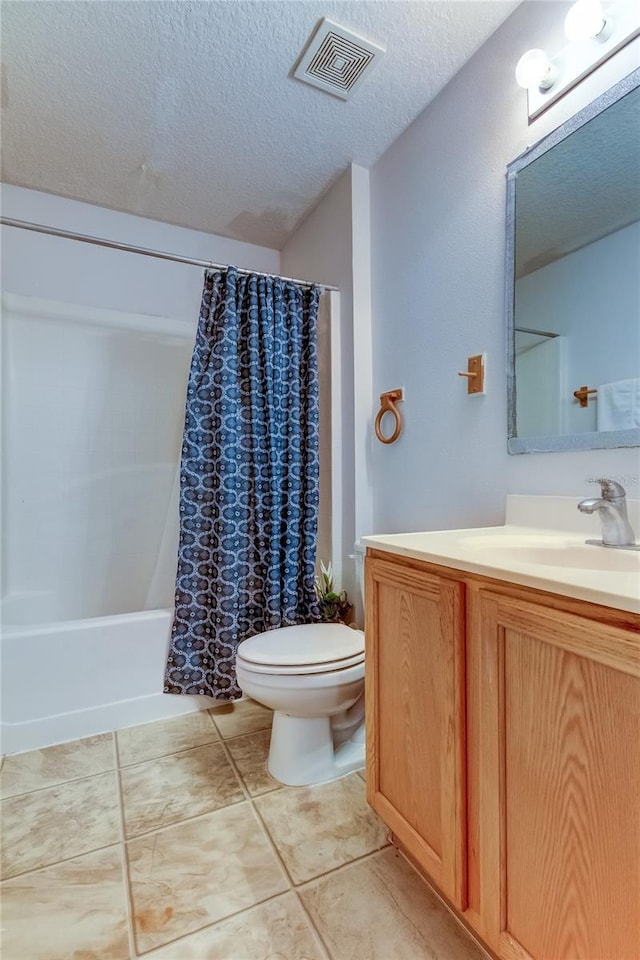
(585, 20)
(534, 70)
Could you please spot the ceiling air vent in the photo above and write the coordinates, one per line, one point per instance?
(336, 60)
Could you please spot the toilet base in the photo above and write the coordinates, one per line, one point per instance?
(302, 751)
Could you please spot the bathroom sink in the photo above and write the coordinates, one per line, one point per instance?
(542, 545)
(495, 538)
(561, 554)
(503, 548)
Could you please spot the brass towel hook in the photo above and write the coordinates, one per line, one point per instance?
(474, 373)
(388, 402)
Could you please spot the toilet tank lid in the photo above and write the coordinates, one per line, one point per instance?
(303, 644)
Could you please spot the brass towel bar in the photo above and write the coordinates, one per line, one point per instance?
(582, 395)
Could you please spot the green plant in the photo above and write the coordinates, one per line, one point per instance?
(334, 606)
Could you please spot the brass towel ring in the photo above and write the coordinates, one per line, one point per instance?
(388, 402)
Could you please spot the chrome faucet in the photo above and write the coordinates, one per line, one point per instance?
(612, 509)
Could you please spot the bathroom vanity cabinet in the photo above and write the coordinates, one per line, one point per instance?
(504, 755)
(416, 720)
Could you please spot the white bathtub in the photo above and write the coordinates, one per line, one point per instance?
(61, 681)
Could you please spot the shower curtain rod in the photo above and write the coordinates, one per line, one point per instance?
(145, 251)
(538, 333)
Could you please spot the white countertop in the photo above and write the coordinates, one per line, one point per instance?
(552, 558)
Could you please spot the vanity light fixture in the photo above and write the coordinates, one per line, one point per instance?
(586, 20)
(595, 32)
(534, 69)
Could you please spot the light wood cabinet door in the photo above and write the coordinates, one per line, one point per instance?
(414, 637)
(559, 811)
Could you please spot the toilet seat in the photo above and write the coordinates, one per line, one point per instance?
(279, 670)
(304, 649)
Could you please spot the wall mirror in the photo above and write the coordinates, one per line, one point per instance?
(573, 281)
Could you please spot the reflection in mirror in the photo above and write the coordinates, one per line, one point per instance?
(574, 287)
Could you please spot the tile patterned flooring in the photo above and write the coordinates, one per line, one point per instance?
(171, 841)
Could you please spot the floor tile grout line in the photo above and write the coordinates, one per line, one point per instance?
(163, 756)
(113, 734)
(58, 783)
(54, 863)
(246, 799)
(186, 819)
(272, 844)
(172, 753)
(312, 924)
(128, 766)
(249, 733)
(219, 704)
(125, 765)
(263, 826)
(209, 712)
(128, 895)
(292, 888)
(343, 866)
(296, 888)
(331, 870)
(215, 923)
(212, 712)
(234, 764)
(235, 770)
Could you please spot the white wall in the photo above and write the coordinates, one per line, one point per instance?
(71, 272)
(586, 296)
(332, 246)
(438, 214)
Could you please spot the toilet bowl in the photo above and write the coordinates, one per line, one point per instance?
(312, 677)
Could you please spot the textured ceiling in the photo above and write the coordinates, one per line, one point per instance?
(584, 188)
(187, 112)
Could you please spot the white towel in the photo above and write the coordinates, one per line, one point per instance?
(619, 405)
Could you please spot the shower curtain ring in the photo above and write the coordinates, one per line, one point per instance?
(388, 402)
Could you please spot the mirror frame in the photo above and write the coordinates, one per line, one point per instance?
(573, 441)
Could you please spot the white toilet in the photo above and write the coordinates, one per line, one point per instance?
(312, 676)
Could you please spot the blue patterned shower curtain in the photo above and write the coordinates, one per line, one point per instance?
(248, 478)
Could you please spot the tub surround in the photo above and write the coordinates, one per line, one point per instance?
(89, 560)
(541, 545)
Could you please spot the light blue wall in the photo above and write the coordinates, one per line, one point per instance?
(321, 250)
(438, 211)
